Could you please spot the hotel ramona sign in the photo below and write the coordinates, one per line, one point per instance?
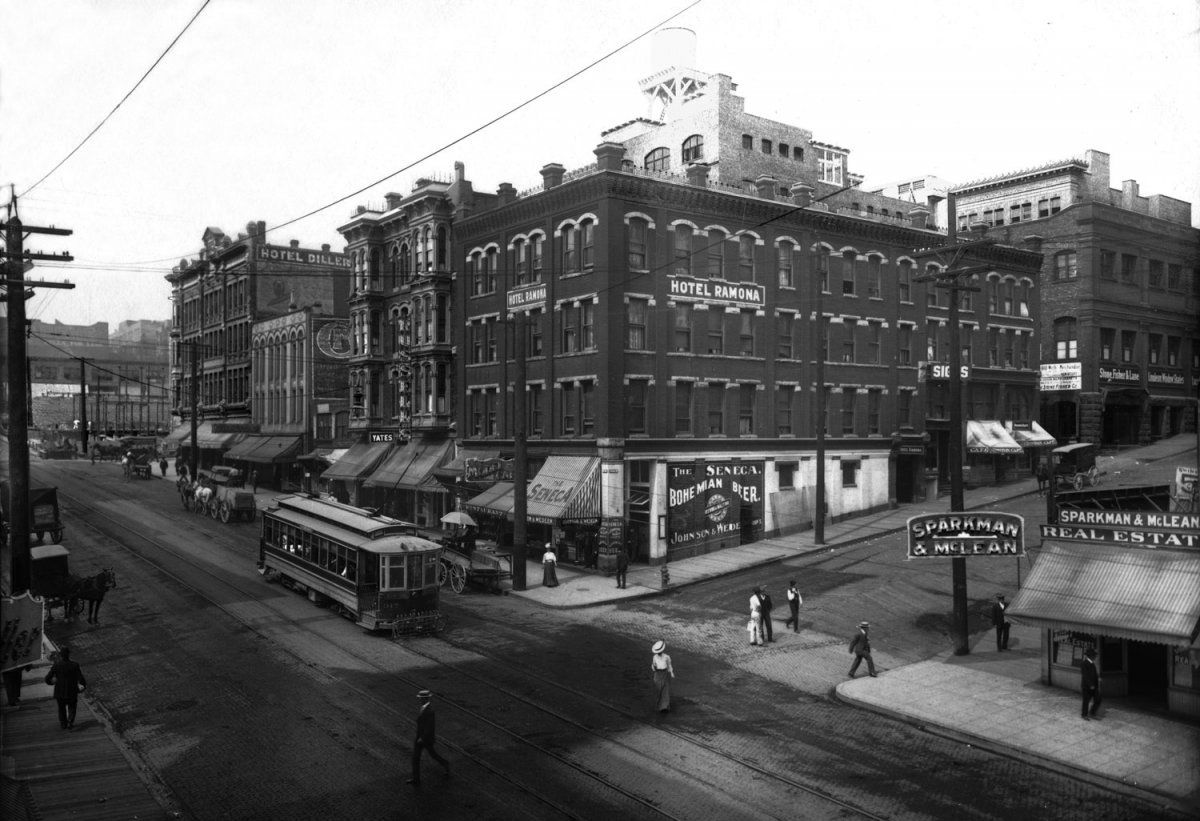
(716, 292)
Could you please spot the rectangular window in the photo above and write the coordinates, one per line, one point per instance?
(1173, 345)
(587, 408)
(1065, 265)
(570, 330)
(904, 408)
(874, 400)
(993, 347)
(783, 150)
(1154, 351)
(1128, 341)
(1108, 264)
(637, 399)
(747, 400)
(766, 146)
(849, 273)
(1055, 205)
(747, 142)
(874, 332)
(1128, 268)
(848, 327)
(716, 408)
(786, 277)
(1175, 277)
(492, 353)
(567, 408)
(1008, 341)
(587, 326)
(534, 411)
(683, 327)
(534, 328)
(637, 244)
(785, 324)
(746, 333)
(684, 394)
(849, 400)
(715, 340)
(635, 324)
(683, 250)
(746, 257)
(1023, 300)
(1107, 337)
(535, 259)
(1043, 208)
(588, 242)
(830, 166)
(783, 411)
(904, 282)
(1006, 298)
(1154, 270)
(904, 335)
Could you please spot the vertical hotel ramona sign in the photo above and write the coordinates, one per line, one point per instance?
(966, 534)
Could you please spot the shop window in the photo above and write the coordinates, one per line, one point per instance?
(850, 469)
(787, 474)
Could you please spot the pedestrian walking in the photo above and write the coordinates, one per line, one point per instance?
(622, 567)
(1043, 476)
(426, 736)
(1090, 684)
(68, 681)
(162, 465)
(794, 601)
(860, 646)
(254, 481)
(127, 464)
(767, 605)
(663, 672)
(755, 625)
(549, 567)
(1000, 622)
(12, 684)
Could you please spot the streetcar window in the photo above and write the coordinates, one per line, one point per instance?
(431, 569)
(393, 573)
(370, 571)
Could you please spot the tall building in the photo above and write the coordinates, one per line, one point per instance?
(1120, 299)
(233, 283)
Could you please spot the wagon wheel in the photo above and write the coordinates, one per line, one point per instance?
(213, 509)
(443, 572)
(458, 578)
(1077, 482)
(223, 511)
(56, 536)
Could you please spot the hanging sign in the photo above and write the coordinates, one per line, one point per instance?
(937, 535)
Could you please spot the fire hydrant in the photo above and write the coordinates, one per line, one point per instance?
(666, 576)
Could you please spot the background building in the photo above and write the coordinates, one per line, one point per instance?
(1121, 296)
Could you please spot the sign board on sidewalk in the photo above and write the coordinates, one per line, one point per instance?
(22, 637)
(940, 535)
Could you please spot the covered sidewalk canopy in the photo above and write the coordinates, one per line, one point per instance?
(566, 489)
(265, 449)
(989, 436)
(182, 435)
(358, 461)
(411, 467)
(1142, 594)
(1032, 436)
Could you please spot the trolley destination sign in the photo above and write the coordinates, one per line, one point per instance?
(938, 535)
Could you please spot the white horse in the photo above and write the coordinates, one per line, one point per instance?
(202, 495)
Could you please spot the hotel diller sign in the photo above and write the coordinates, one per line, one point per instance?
(966, 534)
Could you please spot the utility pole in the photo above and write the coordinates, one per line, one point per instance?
(822, 412)
(16, 258)
(194, 453)
(520, 457)
(83, 419)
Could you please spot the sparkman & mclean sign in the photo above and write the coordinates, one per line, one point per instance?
(938, 535)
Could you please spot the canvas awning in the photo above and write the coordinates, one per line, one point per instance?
(264, 449)
(989, 436)
(358, 461)
(411, 466)
(181, 434)
(566, 489)
(1033, 437)
(207, 439)
(1134, 593)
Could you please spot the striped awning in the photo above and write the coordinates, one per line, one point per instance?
(1033, 436)
(207, 439)
(1143, 594)
(411, 466)
(989, 436)
(566, 489)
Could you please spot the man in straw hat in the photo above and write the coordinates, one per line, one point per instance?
(426, 735)
(860, 646)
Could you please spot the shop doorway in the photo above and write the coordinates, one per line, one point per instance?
(1148, 672)
(907, 470)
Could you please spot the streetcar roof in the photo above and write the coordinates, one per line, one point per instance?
(390, 540)
(354, 519)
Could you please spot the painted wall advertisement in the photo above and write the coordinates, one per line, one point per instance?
(714, 502)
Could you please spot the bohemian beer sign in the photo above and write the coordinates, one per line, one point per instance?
(966, 534)
(714, 502)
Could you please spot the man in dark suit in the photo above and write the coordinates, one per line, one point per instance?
(68, 680)
(794, 601)
(1090, 684)
(768, 634)
(426, 736)
(860, 646)
(1000, 622)
(622, 566)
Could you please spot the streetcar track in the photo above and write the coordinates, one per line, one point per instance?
(477, 716)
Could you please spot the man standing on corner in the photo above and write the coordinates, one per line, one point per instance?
(794, 601)
(860, 646)
(622, 567)
(1000, 621)
(768, 631)
(1090, 684)
(426, 736)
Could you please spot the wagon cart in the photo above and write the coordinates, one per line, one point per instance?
(43, 511)
(462, 562)
(1075, 465)
(51, 581)
(230, 495)
(142, 465)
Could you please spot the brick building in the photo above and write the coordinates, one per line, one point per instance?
(1120, 297)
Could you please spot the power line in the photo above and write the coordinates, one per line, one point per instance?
(122, 102)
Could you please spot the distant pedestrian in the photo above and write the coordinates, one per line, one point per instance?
(1090, 684)
(127, 464)
(426, 737)
(660, 667)
(12, 684)
(1043, 476)
(549, 567)
(68, 681)
(1000, 622)
(622, 567)
(767, 606)
(254, 481)
(755, 625)
(860, 646)
(794, 601)
(162, 465)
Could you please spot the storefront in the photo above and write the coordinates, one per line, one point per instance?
(268, 461)
(1139, 607)
(404, 486)
(1034, 441)
(713, 505)
(991, 453)
(343, 479)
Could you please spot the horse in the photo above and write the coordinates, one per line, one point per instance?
(91, 590)
(203, 495)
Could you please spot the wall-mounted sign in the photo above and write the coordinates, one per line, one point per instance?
(381, 436)
(714, 502)
(1132, 527)
(716, 292)
(1061, 376)
(941, 370)
(1126, 374)
(303, 256)
(1164, 378)
(1112, 535)
(333, 339)
(526, 297)
(966, 534)
(487, 470)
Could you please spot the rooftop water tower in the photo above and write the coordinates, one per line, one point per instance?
(673, 75)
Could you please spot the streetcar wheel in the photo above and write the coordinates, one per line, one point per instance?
(223, 511)
(458, 578)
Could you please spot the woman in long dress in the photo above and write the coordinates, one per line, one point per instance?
(660, 666)
(549, 567)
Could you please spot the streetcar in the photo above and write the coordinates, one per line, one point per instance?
(374, 570)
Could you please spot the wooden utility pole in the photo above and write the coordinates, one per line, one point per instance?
(16, 258)
(83, 417)
(520, 458)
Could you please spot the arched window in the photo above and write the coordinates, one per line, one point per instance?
(659, 160)
(693, 149)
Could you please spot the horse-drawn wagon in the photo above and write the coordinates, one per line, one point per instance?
(43, 511)
(219, 492)
(1075, 465)
(463, 561)
(51, 580)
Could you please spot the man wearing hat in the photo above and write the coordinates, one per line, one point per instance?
(426, 735)
(1090, 684)
(1000, 621)
(860, 646)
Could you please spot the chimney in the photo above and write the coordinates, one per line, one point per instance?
(295, 243)
(552, 175)
(393, 200)
(262, 229)
(765, 184)
(460, 171)
(919, 216)
(1034, 242)
(802, 193)
(325, 248)
(697, 174)
(609, 156)
(1129, 194)
(506, 193)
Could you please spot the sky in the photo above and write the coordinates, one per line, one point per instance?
(272, 109)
